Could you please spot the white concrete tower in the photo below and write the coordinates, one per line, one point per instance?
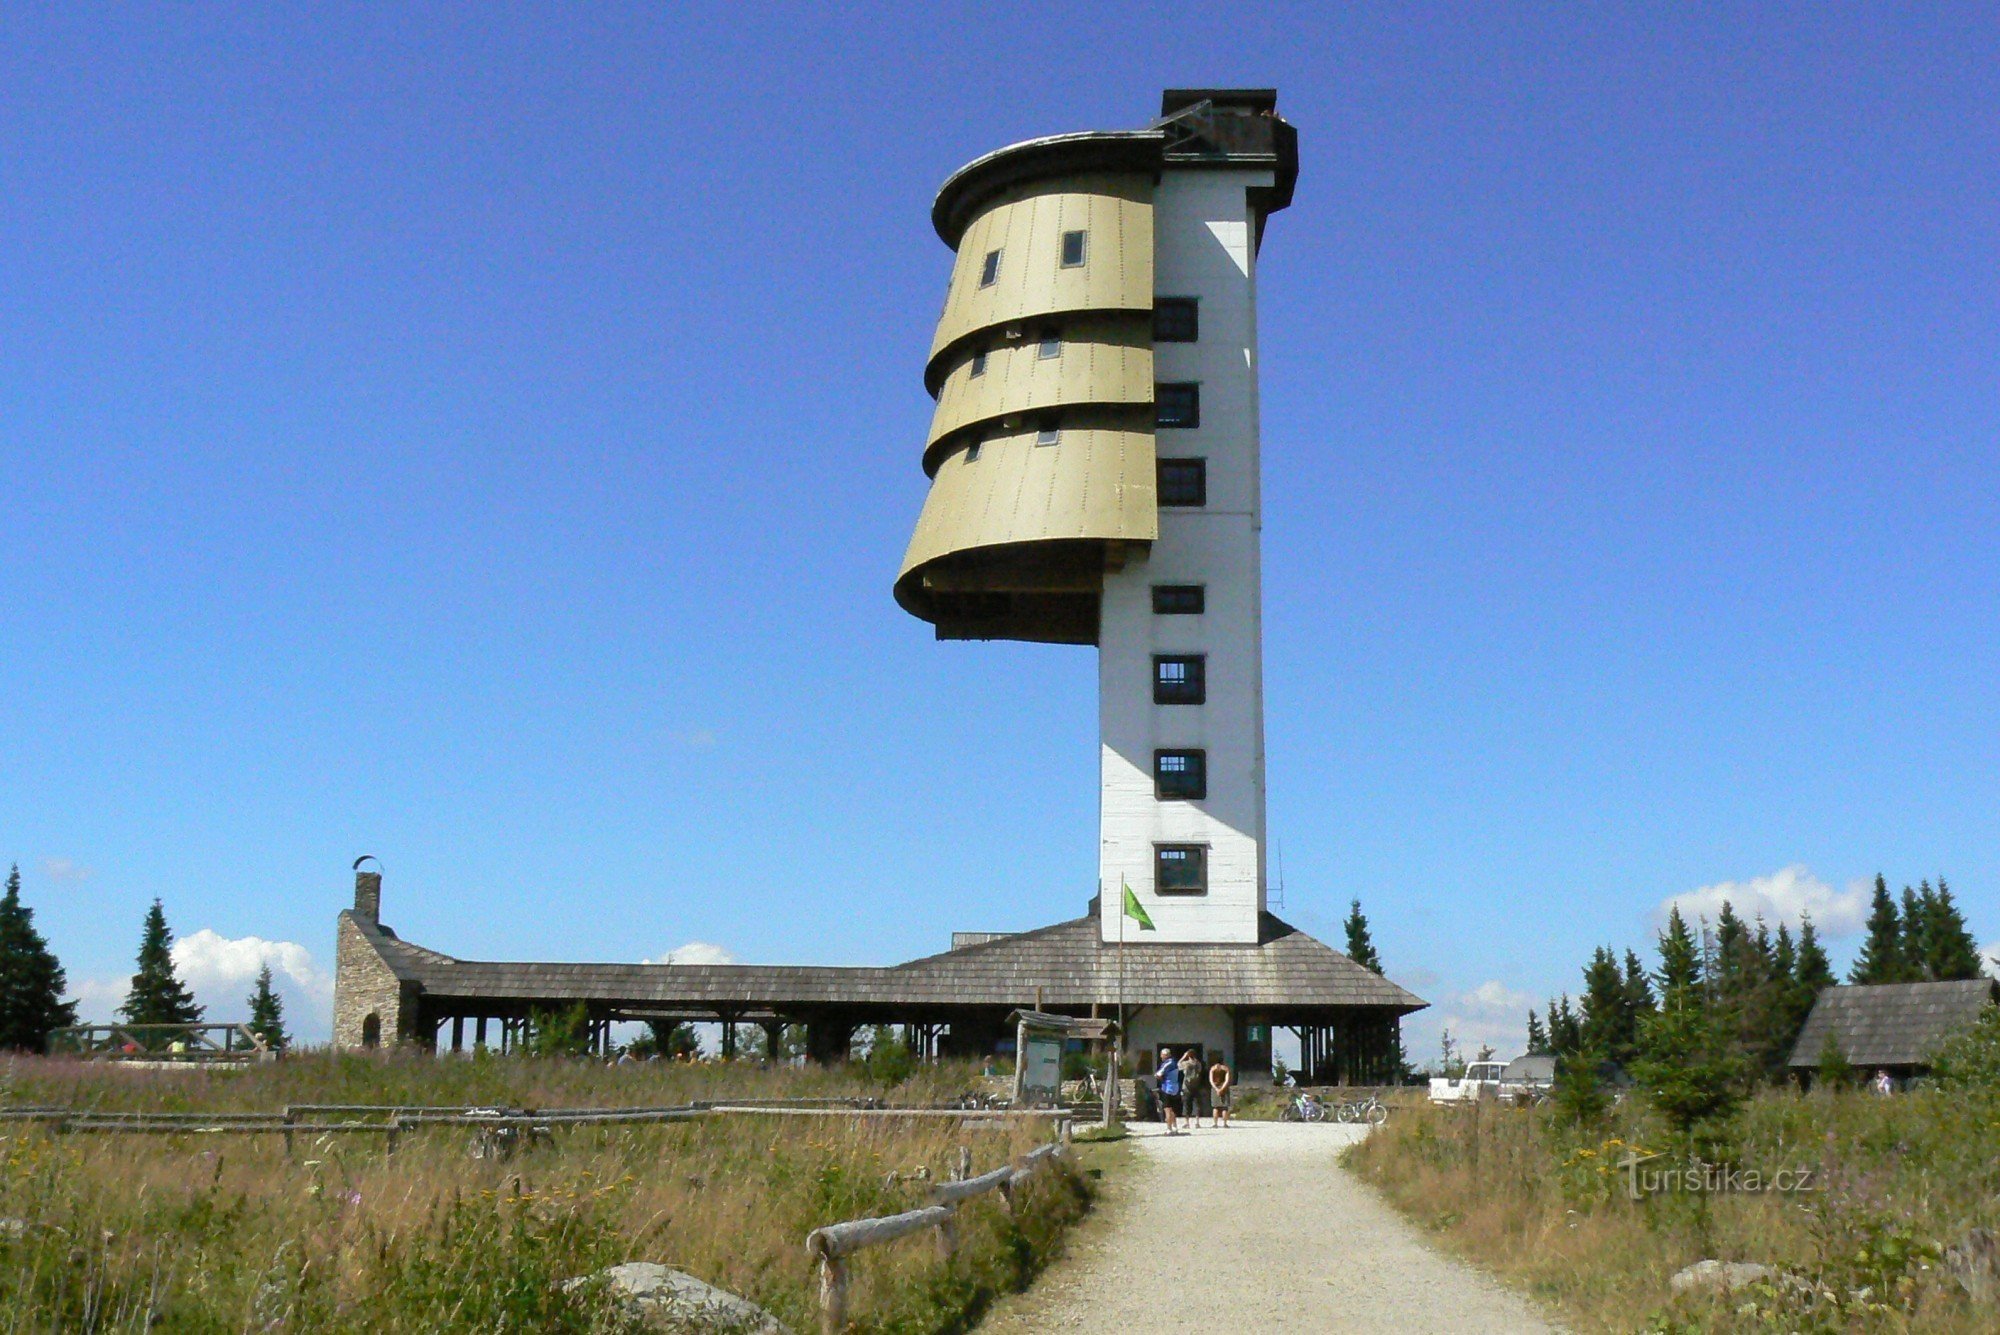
(1094, 462)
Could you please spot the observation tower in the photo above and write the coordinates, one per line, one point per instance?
(1093, 464)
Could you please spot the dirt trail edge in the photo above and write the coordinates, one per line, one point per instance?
(1255, 1228)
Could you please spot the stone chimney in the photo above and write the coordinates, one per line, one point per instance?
(368, 896)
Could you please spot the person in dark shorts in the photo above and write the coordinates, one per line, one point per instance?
(1192, 1086)
(1220, 1082)
(1168, 1081)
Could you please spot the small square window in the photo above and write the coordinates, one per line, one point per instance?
(1180, 679)
(1047, 434)
(1177, 405)
(1073, 243)
(1180, 775)
(1051, 346)
(972, 450)
(1179, 600)
(989, 272)
(1183, 482)
(1176, 320)
(1180, 869)
(978, 365)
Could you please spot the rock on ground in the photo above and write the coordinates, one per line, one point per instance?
(1256, 1228)
(1718, 1276)
(673, 1300)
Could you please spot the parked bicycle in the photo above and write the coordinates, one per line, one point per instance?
(1303, 1108)
(1370, 1110)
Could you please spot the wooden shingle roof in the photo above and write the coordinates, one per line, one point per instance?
(1891, 1024)
(1064, 965)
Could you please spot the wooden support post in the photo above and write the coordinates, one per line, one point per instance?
(832, 1294)
(458, 1033)
(947, 1237)
(964, 1167)
(479, 1033)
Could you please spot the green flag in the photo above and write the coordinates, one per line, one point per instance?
(1135, 910)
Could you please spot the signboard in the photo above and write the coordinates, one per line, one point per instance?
(1041, 1069)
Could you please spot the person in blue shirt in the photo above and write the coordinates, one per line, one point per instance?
(1168, 1079)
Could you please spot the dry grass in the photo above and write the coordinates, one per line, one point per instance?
(232, 1233)
(1545, 1207)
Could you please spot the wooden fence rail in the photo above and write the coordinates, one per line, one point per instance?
(832, 1244)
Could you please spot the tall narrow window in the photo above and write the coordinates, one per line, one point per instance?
(1179, 600)
(1176, 319)
(1177, 405)
(1180, 679)
(1180, 775)
(989, 272)
(1183, 482)
(1073, 244)
(978, 365)
(1180, 869)
(1050, 345)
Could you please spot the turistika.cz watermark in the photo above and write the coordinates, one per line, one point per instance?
(1699, 1176)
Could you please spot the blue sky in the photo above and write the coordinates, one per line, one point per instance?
(485, 437)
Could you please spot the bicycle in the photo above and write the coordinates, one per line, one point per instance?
(1303, 1108)
(1370, 1110)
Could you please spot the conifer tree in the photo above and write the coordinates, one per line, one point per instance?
(1638, 987)
(1610, 1024)
(1565, 1028)
(32, 982)
(1360, 948)
(267, 1012)
(1680, 974)
(1881, 957)
(158, 996)
(1538, 1037)
(1949, 952)
(1914, 944)
(1813, 971)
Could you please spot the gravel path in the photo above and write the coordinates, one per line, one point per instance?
(1255, 1228)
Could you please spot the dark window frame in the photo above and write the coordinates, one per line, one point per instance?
(989, 268)
(1165, 596)
(1181, 483)
(1180, 856)
(1189, 688)
(1177, 405)
(1082, 236)
(1187, 782)
(1048, 346)
(1168, 330)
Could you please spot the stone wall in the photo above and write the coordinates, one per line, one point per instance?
(363, 985)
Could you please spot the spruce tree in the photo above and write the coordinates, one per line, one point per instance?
(1638, 987)
(32, 982)
(1359, 948)
(1565, 1028)
(1538, 1037)
(267, 1013)
(1881, 957)
(1680, 973)
(1914, 944)
(1814, 971)
(1610, 1025)
(1950, 953)
(158, 996)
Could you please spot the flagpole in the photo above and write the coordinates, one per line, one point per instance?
(1120, 1068)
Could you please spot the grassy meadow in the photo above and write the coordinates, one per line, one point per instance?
(1546, 1206)
(231, 1233)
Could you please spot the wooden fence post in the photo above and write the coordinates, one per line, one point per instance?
(832, 1293)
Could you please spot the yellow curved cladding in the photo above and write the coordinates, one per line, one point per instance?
(1100, 359)
(1094, 483)
(1026, 226)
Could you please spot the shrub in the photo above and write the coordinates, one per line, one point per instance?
(1969, 1063)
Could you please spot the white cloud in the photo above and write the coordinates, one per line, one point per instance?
(1491, 1015)
(222, 971)
(1990, 952)
(698, 952)
(63, 870)
(1780, 897)
(98, 999)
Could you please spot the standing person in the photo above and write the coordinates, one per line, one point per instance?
(1168, 1081)
(1219, 1081)
(1192, 1086)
